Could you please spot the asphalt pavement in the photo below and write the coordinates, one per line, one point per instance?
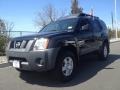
(93, 74)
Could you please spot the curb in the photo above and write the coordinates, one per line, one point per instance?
(4, 65)
(114, 40)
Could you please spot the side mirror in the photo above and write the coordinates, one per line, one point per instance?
(85, 27)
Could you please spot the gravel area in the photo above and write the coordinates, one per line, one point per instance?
(3, 59)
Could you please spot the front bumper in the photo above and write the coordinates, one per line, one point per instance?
(34, 60)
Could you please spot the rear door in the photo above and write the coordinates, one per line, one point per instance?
(85, 37)
(97, 33)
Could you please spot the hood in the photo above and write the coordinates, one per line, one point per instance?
(42, 35)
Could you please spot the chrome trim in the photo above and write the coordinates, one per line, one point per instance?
(25, 63)
(39, 65)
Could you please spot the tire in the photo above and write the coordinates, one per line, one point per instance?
(65, 66)
(104, 52)
(21, 71)
(18, 69)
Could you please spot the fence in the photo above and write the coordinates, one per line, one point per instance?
(12, 34)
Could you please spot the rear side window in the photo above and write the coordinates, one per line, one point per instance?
(96, 26)
(104, 27)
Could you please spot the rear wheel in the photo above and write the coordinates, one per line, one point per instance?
(66, 66)
(104, 52)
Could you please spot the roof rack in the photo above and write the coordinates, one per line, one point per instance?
(84, 14)
(79, 15)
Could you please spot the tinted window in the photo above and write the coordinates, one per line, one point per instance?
(84, 23)
(103, 25)
(96, 26)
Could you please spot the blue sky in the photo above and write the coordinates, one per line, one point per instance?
(23, 12)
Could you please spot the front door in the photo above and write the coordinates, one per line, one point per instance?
(85, 37)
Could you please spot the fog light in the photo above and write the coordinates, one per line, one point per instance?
(40, 62)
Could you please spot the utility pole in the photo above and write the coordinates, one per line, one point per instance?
(92, 12)
(112, 19)
(116, 18)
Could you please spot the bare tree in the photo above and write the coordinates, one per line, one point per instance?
(47, 15)
(9, 27)
(2, 26)
(6, 27)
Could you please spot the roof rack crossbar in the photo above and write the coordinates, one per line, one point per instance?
(84, 14)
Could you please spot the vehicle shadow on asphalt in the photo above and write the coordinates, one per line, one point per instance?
(88, 68)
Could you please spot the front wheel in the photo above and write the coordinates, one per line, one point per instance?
(66, 66)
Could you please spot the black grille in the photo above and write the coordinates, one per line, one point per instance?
(17, 58)
(19, 44)
(12, 44)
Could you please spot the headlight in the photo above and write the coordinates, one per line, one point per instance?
(41, 44)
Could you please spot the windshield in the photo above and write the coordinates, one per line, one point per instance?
(61, 25)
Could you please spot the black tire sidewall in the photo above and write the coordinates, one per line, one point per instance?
(102, 56)
(59, 72)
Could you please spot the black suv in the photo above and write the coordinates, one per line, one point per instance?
(59, 45)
